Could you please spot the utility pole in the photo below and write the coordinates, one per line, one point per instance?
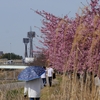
(10, 51)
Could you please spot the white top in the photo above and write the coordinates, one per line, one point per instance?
(44, 74)
(50, 72)
(33, 88)
(97, 81)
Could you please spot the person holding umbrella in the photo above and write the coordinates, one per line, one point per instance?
(33, 82)
(33, 89)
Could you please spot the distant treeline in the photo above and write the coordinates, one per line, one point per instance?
(10, 56)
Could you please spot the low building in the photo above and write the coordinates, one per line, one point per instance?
(1, 53)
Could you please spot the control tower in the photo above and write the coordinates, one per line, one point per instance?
(26, 41)
(30, 35)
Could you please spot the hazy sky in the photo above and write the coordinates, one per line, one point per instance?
(16, 17)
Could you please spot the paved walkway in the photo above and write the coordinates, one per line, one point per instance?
(54, 81)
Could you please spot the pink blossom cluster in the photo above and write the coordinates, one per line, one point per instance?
(73, 44)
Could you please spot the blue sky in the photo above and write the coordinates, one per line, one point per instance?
(16, 17)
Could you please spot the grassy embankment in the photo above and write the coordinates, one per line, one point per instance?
(65, 89)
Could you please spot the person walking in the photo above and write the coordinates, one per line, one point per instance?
(43, 76)
(33, 88)
(50, 72)
(97, 83)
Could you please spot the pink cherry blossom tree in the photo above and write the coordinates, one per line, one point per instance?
(73, 44)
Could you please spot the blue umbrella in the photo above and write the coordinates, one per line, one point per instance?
(31, 73)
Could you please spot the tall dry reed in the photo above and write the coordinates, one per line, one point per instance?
(72, 88)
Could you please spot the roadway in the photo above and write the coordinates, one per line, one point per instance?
(11, 86)
(16, 85)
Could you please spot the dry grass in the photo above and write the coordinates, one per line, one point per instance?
(71, 89)
(68, 88)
